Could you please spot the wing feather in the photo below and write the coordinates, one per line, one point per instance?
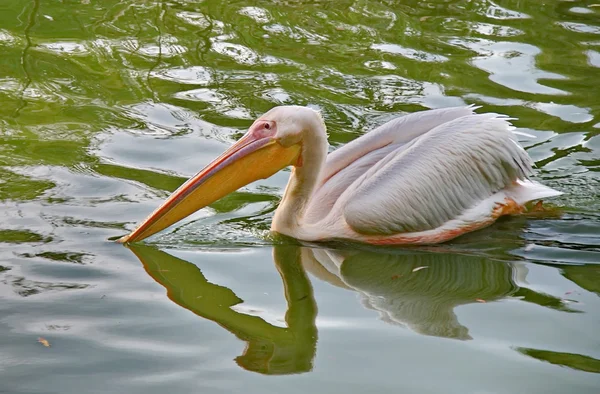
(399, 130)
(436, 177)
(348, 163)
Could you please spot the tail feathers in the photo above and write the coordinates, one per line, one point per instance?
(525, 191)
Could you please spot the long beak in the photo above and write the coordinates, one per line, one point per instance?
(250, 159)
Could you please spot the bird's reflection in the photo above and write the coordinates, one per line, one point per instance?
(417, 289)
(413, 288)
(270, 349)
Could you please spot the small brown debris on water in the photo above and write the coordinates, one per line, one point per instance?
(44, 342)
(394, 277)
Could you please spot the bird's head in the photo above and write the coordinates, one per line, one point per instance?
(273, 142)
(288, 125)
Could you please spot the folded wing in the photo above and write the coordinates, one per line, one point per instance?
(435, 177)
(348, 163)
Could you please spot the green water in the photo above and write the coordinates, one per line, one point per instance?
(107, 106)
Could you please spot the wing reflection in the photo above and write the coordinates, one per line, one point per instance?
(418, 290)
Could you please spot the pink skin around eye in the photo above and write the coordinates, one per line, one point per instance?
(263, 128)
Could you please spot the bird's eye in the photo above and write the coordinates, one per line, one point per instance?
(267, 126)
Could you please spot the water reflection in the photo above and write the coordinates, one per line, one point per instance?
(98, 96)
(270, 349)
(411, 288)
(569, 360)
(419, 289)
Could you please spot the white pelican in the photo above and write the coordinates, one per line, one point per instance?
(422, 178)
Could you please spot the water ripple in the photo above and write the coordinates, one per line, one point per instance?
(511, 65)
(124, 100)
(409, 53)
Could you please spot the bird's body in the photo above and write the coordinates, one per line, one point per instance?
(422, 178)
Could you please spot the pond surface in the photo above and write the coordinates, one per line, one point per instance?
(107, 106)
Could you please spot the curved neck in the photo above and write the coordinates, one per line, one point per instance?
(290, 214)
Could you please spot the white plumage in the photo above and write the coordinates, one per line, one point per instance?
(476, 156)
(421, 175)
(422, 178)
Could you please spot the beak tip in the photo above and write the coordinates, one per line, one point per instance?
(238, 166)
(124, 239)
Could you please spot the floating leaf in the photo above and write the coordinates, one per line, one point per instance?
(44, 341)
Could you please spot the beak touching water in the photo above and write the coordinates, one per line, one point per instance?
(253, 157)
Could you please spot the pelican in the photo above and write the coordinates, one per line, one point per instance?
(422, 178)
